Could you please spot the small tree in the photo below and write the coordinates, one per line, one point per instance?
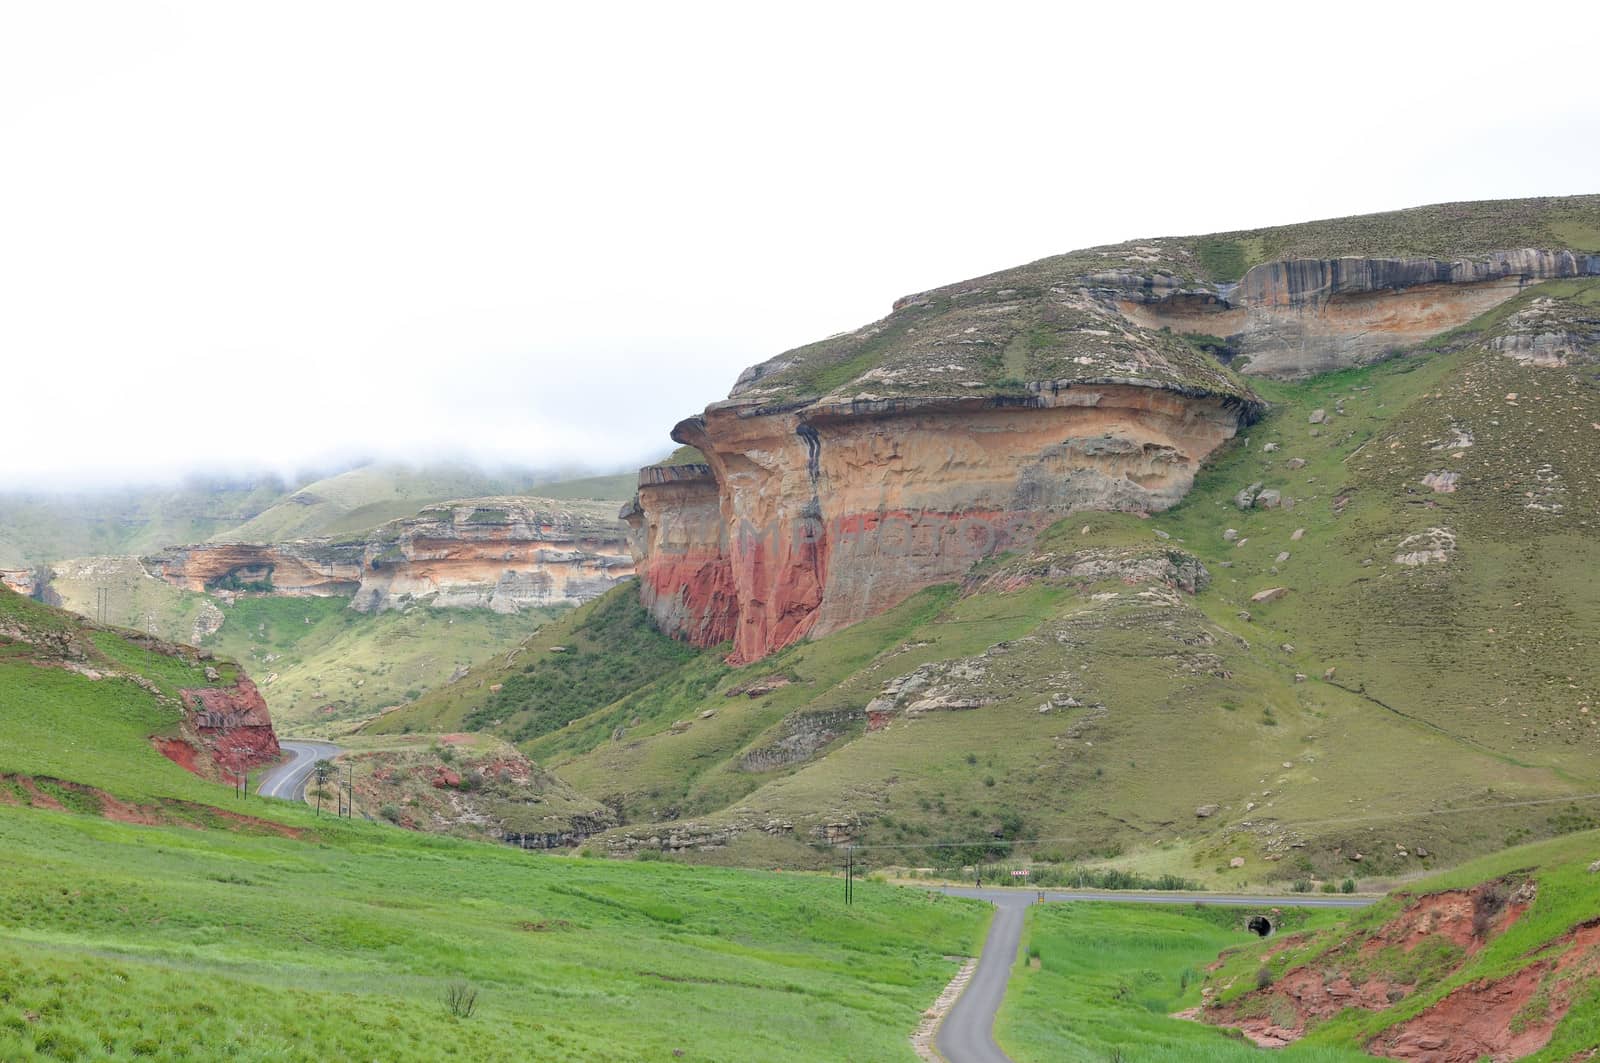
(323, 770)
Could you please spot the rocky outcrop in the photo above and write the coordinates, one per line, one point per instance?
(841, 478)
(1550, 334)
(230, 724)
(504, 554)
(1299, 317)
(302, 567)
(830, 513)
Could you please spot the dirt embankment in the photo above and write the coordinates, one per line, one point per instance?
(1432, 938)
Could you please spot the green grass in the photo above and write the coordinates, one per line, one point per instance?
(168, 942)
(1109, 977)
(122, 941)
(617, 650)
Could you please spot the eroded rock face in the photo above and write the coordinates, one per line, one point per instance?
(231, 725)
(806, 520)
(503, 554)
(676, 521)
(307, 566)
(1300, 317)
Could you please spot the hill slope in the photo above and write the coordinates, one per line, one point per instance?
(148, 912)
(1391, 621)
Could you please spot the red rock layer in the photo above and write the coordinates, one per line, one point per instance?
(804, 521)
(688, 586)
(231, 728)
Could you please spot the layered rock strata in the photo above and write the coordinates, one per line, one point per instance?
(1300, 317)
(806, 516)
(504, 554)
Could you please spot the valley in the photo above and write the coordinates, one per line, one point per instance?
(1258, 563)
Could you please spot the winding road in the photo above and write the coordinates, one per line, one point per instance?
(967, 1033)
(288, 780)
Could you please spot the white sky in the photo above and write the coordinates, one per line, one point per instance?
(244, 235)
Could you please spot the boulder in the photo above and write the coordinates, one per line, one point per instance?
(1319, 416)
(1271, 594)
(1206, 811)
(1443, 483)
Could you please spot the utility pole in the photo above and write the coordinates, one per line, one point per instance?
(850, 876)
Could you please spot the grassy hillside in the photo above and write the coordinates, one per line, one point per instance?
(363, 498)
(288, 936)
(1421, 663)
(572, 667)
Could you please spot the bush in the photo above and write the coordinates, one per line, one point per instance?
(648, 854)
(1347, 886)
(446, 754)
(1264, 977)
(390, 813)
(1301, 886)
(1329, 887)
(461, 999)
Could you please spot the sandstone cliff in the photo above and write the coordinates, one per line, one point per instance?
(504, 554)
(841, 478)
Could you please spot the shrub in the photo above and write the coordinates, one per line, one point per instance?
(1347, 886)
(390, 813)
(1329, 887)
(988, 780)
(648, 854)
(972, 758)
(1264, 977)
(461, 999)
(1301, 886)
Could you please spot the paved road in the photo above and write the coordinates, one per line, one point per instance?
(288, 780)
(967, 1034)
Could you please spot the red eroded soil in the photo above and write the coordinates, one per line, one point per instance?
(1498, 1020)
(1307, 995)
(180, 752)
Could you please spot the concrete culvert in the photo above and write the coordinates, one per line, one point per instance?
(1259, 925)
